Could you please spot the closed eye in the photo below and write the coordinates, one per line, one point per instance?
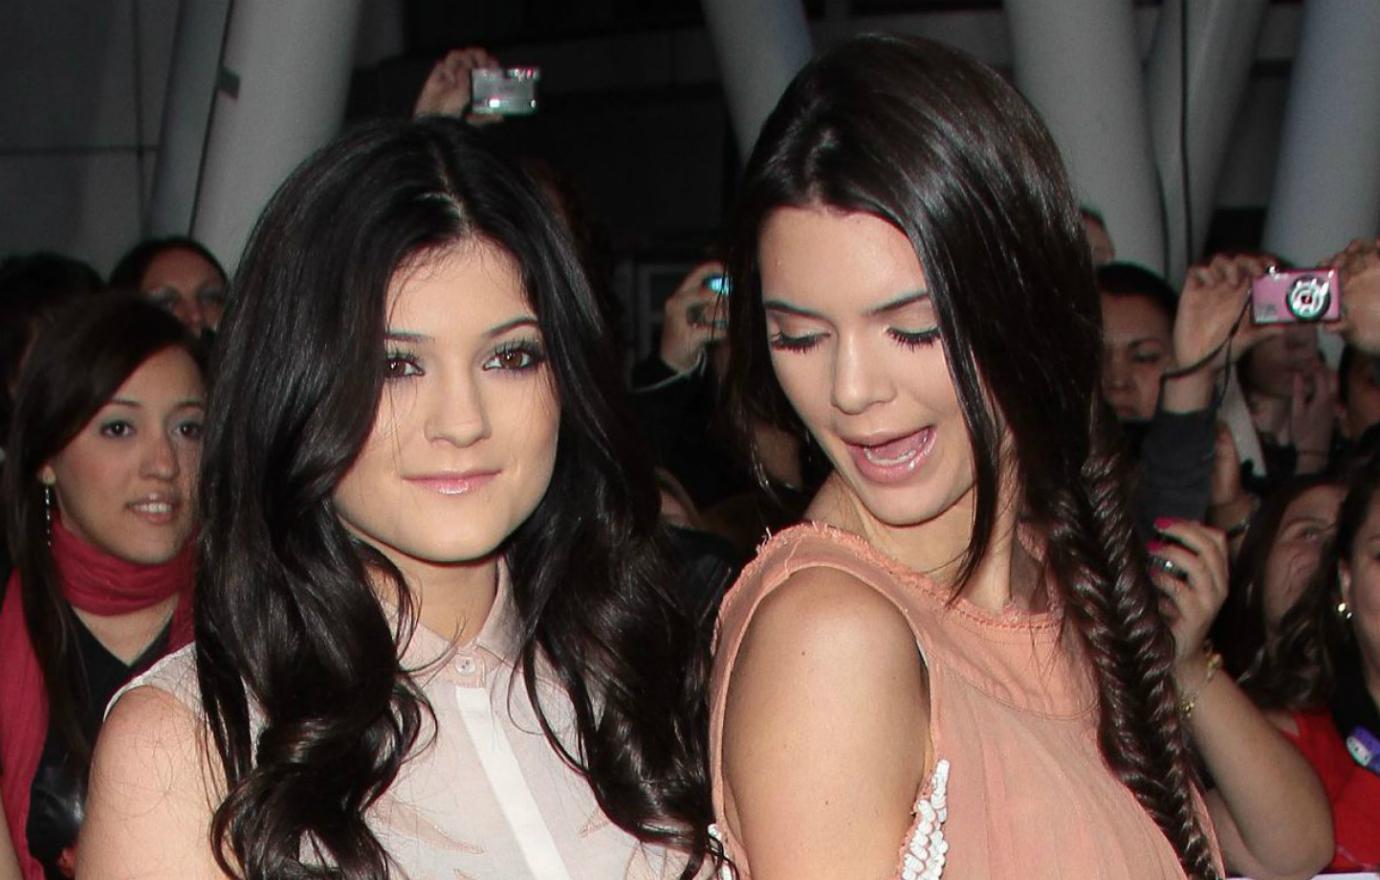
(781, 342)
(914, 339)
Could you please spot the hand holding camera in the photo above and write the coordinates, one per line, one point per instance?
(448, 90)
(694, 316)
(1358, 267)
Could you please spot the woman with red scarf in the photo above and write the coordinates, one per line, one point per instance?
(100, 511)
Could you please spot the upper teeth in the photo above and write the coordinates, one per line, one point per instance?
(153, 507)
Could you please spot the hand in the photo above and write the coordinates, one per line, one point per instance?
(692, 318)
(1312, 416)
(1226, 485)
(446, 91)
(1212, 302)
(1199, 554)
(1359, 270)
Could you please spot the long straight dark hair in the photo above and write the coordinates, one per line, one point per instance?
(81, 357)
(938, 145)
(291, 621)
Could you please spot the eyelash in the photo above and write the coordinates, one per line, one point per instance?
(918, 339)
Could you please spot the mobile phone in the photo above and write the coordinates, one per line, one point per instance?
(507, 92)
(1304, 295)
(719, 283)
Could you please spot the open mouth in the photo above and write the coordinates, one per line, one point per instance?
(158, 511)
(892, 460)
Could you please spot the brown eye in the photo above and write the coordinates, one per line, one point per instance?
(515, 357)
(400, 366)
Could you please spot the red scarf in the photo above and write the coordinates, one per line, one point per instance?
(98, 583)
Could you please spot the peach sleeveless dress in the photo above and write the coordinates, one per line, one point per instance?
(1016, 784)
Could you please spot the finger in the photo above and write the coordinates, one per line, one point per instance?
(1196, 576)
(1200, 551)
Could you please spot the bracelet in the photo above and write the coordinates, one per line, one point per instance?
(1238, 528)
(1214, 663)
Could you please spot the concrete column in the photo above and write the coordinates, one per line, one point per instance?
(186, 113)
(760, 45)
(1222, 38)
(283, 83)
(1327, 183)
(1078, 62)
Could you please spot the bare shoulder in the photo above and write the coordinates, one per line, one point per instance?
(825, 729)
(152, 792)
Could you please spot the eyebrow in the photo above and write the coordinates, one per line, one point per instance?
(505, 327)
(894, 305)
(134, 404)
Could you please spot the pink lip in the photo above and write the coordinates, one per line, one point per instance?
(888, 460)
(453, 484)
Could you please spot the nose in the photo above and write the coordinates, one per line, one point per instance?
(456, 412)
(160, 458)
(859, 381)
(1116, 373)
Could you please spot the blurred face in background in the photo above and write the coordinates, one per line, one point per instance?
(126, 483)
(1360, 577)
(188, 285)
(1309, 522)
(1361, 408)
(1137, 350)
(1269, 368)
(1099, 240)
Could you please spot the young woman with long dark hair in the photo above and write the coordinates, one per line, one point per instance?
(962, 660)
(99, 492)
(1319, 672)
(437, 637)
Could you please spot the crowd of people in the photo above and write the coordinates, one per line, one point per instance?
(932, 540)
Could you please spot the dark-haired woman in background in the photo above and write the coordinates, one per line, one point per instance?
(179, 274)
(99, 494)
(1320, 674)
(438, 638)
(961, 662)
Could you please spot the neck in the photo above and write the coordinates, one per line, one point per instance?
(1006, 575)
(453, 600)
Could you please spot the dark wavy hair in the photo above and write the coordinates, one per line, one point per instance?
(939, 146)
(78, 361)
(1314, 648)
(291, 620)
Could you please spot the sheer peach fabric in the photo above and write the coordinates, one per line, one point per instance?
(1013, 711)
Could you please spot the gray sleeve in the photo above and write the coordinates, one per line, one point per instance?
(1176, 467)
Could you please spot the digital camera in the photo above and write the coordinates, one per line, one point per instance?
(1304, 295)
(510, 92)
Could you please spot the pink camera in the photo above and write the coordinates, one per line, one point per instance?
(1291, 297)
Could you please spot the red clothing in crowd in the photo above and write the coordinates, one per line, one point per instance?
(1353, 791)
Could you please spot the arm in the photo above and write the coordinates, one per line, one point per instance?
(149, 803)
(1209, 333)
(824, 732)
(1269, 807)
(9, 865)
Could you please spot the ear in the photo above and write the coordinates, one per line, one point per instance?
(1344, 579)
(47, 476)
